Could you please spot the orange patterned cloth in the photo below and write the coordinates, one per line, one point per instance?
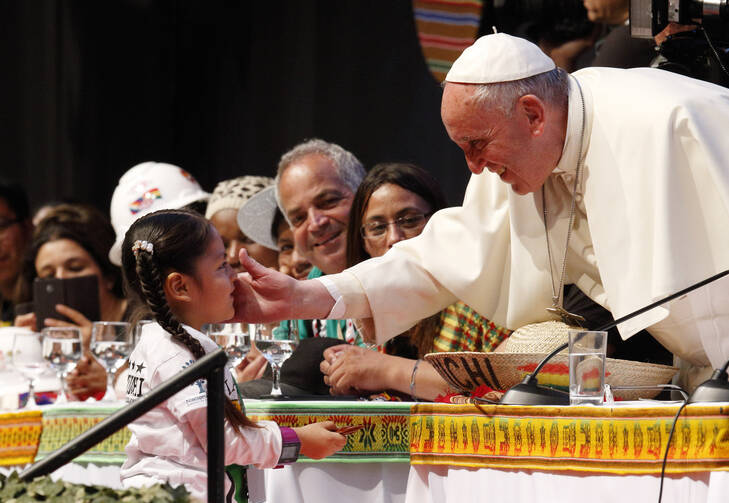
(619, 440)
(19, 435)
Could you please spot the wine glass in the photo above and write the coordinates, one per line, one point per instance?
(138, 331)
(233, 338)
(62, 349)
(28, 360)
(111, 344)
(277, 343)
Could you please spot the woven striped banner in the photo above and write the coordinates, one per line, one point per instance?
(620, 440)
(384, 437)
(445, 28)
(61, 425)
(19, 434)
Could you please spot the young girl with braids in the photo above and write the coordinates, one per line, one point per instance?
(174, 262)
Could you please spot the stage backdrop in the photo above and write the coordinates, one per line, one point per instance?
(90, 88)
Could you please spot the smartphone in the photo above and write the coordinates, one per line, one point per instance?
(80, 293)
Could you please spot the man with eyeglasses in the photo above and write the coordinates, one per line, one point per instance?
(15, 235)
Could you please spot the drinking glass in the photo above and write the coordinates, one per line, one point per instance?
(233, 338)
(62, 349)
(28, 360)
(587, 366)
(138, 331)
(277, 344)
(111, 344)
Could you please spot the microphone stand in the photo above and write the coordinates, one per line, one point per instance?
(528, 392)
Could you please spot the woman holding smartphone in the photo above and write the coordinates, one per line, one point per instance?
(73, 240)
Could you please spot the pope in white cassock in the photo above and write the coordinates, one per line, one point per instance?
(614, 180)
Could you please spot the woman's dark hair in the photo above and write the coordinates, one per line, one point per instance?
(407, 176)
(179, 238)
(418, 181)
(85, 226)
(16, 198)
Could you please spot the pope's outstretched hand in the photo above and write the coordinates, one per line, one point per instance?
(264, 295)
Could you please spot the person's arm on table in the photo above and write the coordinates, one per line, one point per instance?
(352, 370)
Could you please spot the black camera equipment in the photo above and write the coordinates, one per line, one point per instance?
(703, 52)
(552, 21)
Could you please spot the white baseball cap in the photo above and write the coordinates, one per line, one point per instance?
(148, 187)
(499, 58)
(255, 217)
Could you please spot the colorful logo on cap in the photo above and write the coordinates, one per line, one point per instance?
(188, 176)
(145, 201)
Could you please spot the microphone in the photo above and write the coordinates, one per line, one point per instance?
(528, 392)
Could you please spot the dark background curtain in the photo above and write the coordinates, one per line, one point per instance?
(222, 89)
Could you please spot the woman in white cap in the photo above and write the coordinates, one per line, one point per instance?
(222, 211)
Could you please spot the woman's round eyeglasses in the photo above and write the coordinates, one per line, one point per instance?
(409, 225)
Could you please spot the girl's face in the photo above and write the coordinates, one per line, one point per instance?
(211, 289)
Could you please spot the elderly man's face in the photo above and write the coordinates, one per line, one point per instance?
(513, 147)
(317, 204)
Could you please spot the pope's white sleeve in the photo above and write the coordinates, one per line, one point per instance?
(260, 447)
(462, 254)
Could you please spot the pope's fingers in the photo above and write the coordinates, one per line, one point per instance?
(250, 265)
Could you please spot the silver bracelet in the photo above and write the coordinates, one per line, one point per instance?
(412, 381)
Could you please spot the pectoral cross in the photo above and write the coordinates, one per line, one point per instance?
(567, 317)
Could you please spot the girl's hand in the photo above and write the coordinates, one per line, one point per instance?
(77, 320)
(87, 379)
(319, 440)
(26, 320)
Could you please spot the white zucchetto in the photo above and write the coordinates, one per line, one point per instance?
(499, 58)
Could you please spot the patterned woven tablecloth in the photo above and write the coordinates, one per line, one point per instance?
(620, 440)
(61, 425)
(384, 437)
(19, 435)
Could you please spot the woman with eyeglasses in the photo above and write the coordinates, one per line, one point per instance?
(393, 203)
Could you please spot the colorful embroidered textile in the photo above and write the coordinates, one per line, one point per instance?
(620, 440)
(19, 434)
(445, 28)
(463, 329)
(60, 426)
(384, 437)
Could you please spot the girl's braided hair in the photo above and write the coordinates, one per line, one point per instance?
(178, 239)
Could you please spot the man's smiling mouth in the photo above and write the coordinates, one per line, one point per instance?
(327, 240)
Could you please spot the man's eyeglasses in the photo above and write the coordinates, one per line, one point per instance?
(410, 225)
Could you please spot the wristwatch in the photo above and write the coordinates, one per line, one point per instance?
(290, 446)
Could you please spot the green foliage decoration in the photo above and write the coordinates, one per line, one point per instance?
(14, 490)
